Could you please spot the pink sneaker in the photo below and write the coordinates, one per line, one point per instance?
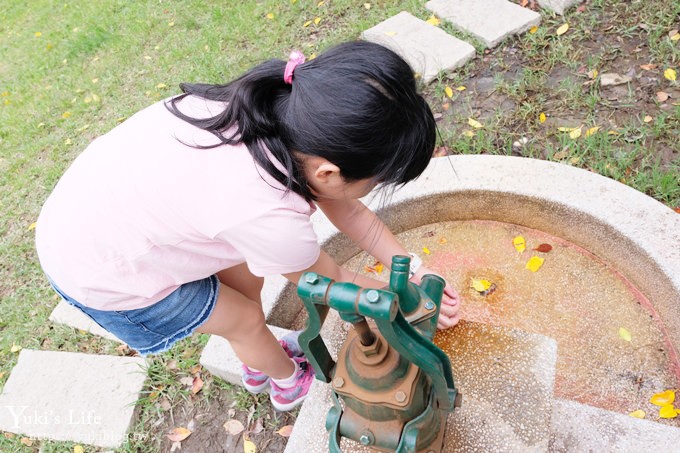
(286, 399)
(256, 381)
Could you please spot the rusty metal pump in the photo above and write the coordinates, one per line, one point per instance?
(392, 387)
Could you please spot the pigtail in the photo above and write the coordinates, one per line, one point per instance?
(254, 104)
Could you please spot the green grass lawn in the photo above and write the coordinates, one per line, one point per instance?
(72, 70)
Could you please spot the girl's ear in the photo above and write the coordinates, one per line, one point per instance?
(326, 171)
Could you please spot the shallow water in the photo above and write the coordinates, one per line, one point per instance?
(575, 298)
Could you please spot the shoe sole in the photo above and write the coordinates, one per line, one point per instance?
(258, 389)
(286, 407)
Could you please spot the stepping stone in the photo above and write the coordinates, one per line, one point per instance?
(506, 377)
(427, 49)
(67, 314)
(489, 20)
(220, 360)
(577, 427)
(70, 396)
(558, 6)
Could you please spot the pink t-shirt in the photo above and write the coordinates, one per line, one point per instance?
(141, 212)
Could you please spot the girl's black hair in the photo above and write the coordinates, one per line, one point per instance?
(355, 105)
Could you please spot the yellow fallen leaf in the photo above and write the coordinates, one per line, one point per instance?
(443, 241)
(670, 74)
(270, 16)
(32, 226)
(647, 119)
(38, 34)
(317, 20)
(449, 92)
(668, 411)
(319, 4)
(592, 131)
(26, 441)
(67, 141)
(469, 134)
(65, 115)
(160, 86)
(474, 123)
(379, 267)
(663, 398)
(171, 24)
(566, 129)
(560, 155)
(562, 30)
(15, 348)
(78, 449)
(480, 285)
(541, 118)
(625, 334)
(248, 445)
(638, 414)
(674, 35)
(534, 263)
(433, 20)
(367, 5)
(312, 56)
(426, 251)
(178, 434)
(519, 243)
(533, 29)
(576, 133)
(307, 24)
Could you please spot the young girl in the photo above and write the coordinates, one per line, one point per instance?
(166, 225)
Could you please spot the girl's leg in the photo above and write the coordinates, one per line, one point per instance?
(241, 321)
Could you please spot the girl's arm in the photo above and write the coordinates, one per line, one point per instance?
(363, 227)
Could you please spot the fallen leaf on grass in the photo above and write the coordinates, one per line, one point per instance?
(426, 251)
(541, 118)
(233, 427)
(674, 35)
(433, 20)
(26, 441)
(285, 431)
(443, 240)
(668, 411)
(178, 434)
(533, 29)
(248, 445)
(647, 119)
(592, 131)
(449, 92)
(544, 248)
(534, 263)
(78, 449)
(663, 398)
(670, 74)
(576, 133)
(638, 414)
(648, 67)
(562, 29)
(662, 96)
(625, 334)
(519, 243)
(196, 385)
(474, 123)
(15, 348)
(560, 155)
(187, 381)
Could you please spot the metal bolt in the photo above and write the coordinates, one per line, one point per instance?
(366, 438)
(312, 278)
(338, 382)
(400, 396)
(429, 305)
(372, 296)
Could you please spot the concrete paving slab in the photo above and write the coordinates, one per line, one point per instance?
(67, 314)
(426, 48)
(70, 396)
(506, 377)
(558, 6)
(577, 427)
(220, 360)
(489, 20)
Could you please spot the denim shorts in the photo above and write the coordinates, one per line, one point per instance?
(154, 329)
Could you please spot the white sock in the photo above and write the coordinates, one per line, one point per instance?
(289, 382)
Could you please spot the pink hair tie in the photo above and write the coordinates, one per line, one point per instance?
(295, 58)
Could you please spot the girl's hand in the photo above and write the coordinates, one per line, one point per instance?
(449, 313)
